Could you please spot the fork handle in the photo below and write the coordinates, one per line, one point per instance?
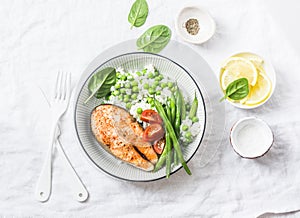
(79, 191)
(43, 188)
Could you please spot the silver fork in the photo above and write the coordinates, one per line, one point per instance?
(59, 105)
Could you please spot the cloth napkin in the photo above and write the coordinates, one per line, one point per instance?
(39, 38)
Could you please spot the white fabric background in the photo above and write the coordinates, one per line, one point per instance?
(39, 38)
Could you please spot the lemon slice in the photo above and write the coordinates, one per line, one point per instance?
(255, 59)
(235, 68)
(260, 91)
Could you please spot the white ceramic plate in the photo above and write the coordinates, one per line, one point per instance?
(206, 23)
(99, 156)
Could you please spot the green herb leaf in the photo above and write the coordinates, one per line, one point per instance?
(237, 90)
(154, 39)
(138, 13)
(101, 82)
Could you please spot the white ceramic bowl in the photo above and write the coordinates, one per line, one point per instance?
(270, 72)
(206, 23)
(251, 137)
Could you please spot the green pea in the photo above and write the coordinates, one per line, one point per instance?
(127, 85)
(116, 93)
(139, 110)
(118, 74)
(170, 84)
(123, 91)
(189, 140)
(154, 86)
(149, 99)
(144, 71)
(134, 96)
(123, 77)
(150, 75)
(126, 99)
(156, 73)
(120, 97)
(158, 92)
(185, 127)
(134, 83)
(159, 78)
(128, 105)
(135, 89)
(173, 89)
(130, 78)
(118, 85)
(146, 86)
(163, 85)
(152, 104)
(138, 73)
(188, 135)
(151, 91)
(156, 83)
(195, 119)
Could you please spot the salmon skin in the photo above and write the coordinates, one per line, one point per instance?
(121, 134)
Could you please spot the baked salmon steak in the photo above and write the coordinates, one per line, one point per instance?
(120, 134)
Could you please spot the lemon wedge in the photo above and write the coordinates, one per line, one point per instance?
(235, 68)
(260, 92)
(255, 59)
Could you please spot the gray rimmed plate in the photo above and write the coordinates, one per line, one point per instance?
(133, 61)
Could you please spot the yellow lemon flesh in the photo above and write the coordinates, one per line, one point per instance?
(260, 92)
(235, 68)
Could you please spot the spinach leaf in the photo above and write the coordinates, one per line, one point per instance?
(138, 13)
(154, 39)
(100, 83)
(237, 89)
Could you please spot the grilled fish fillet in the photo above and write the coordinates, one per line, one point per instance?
(116, 129)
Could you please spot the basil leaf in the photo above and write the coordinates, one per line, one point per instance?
(154, 39)
(138, 13)
(100, 83)
(237, 89)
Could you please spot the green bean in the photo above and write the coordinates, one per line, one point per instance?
(169, 155)
(173, 109)
(178, 112)
(194, 107)
(173, 137)
(168, 112)
(161, 160)
(175, 159)
(183, 109)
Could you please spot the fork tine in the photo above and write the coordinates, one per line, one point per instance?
(68, 85)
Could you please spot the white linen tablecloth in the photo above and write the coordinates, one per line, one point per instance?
(40, 38)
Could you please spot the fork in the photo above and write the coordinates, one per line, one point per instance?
(59, 105)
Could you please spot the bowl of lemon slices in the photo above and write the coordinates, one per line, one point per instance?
(247, 80)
